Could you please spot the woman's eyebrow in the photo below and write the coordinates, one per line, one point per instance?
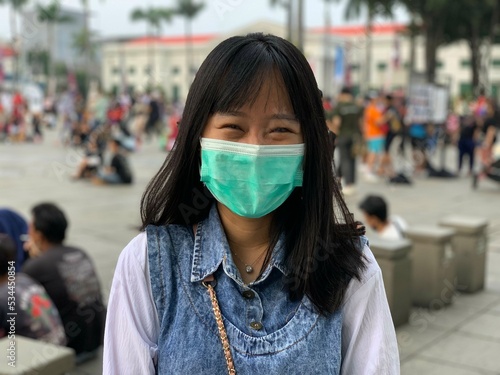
(276, 116)
(284, 116)
(232, 114)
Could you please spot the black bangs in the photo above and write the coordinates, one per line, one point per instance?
(244, 75)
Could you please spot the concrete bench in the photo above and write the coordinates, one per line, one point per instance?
(393, 257)
(34, 357)
(469, 244)
(434, 266)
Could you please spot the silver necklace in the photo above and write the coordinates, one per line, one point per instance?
(249, 267)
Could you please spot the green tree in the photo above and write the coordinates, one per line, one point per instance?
(475, 24)
(287, 5)
(51, 14)
(83, 43)
(295, 20)
(188, 9)
(373, 8)
(432, 16)
(154, 19)
(328, 65)
(39, 62)
(300, 24)
(85, 40)
(60, 70)
(446, 21)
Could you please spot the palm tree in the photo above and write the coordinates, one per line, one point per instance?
(51, 15)
(287, 4)
(84, 39)
(373, 8)
(189, 10)
(300, 24)
(295, 20)
(154, 18)
(327, 66)
(84, 45)
(15, 7)
(430, 18)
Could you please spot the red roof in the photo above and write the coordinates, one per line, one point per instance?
(6, 52)
(351, 30)
(174, 39)
(355, 30)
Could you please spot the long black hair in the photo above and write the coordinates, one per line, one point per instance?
(322, 240)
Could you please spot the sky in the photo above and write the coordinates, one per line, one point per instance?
(112, 17)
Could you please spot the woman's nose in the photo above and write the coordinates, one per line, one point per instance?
(254, 137)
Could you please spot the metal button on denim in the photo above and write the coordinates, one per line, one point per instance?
(256, 325)
(248, 294)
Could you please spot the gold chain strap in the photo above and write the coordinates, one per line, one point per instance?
(220, 324)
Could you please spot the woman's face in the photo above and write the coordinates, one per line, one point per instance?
(270, 120)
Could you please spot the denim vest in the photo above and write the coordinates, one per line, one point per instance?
(268, 333)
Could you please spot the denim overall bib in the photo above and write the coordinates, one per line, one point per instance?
(268, 333)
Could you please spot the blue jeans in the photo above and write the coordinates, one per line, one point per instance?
(110, 178)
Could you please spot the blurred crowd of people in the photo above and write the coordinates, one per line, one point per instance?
(18, 122)
(107, 128)
(375, 129)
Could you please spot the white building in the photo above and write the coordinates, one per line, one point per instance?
(126, 61)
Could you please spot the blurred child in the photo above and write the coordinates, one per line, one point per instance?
(376, 214)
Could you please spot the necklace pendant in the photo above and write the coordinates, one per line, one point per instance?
(249, 269)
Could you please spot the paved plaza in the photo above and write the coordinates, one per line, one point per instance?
(462, 339)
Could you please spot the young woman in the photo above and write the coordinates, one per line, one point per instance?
(250, 261)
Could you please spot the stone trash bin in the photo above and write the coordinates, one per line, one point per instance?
(393, 257)
(470, 245)
(33, 357)
(434, 266)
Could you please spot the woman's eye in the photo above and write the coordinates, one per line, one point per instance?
(281, 130)
(231, 126)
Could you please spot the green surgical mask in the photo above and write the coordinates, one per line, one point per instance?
(250, 180)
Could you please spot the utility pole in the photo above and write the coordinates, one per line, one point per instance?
(300, 25)
(86, 20)
(296, 16)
